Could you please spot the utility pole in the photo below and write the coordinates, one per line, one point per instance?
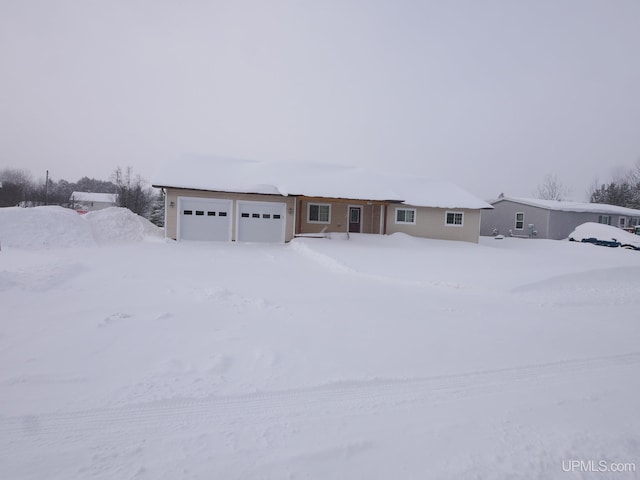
(46, 189)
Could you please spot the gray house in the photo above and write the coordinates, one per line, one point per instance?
(550, 218)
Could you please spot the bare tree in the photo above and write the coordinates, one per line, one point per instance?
(551, 189)
(132, 192)
(16, 188)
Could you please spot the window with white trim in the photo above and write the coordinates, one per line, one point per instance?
(319, 213)
(604, 219)
(519, 220)
(406, 215)
(454, 218)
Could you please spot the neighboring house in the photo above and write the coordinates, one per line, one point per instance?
(239, 200)
(550, 218)
(90, 201)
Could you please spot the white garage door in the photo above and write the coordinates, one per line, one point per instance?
(204, 219)
(261, 221)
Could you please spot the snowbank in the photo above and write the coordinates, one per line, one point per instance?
(57, 227)
(604, 232)
(375, 357)
(43, 227)
(115, 224)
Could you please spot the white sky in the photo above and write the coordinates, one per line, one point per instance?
(491, 95)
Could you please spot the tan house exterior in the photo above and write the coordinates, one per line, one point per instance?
(245, 202)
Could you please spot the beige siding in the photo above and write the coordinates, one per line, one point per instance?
(431, 223)
(339, 221)
(172, 212)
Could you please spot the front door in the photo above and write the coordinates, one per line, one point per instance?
(355, 216)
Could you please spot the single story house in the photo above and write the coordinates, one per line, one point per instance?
(90, 201)
(247, 201)
(529, 217)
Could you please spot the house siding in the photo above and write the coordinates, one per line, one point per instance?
(339, 219)
(431, 223)
(563, 223)
(503, 219)
(172, 194)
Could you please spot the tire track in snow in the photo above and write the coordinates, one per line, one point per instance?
(335, 399)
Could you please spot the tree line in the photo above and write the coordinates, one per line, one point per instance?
(623, 191)
(18, 188)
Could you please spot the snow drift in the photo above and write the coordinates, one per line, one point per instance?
(57, 227)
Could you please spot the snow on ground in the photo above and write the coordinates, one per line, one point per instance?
(369, 357)
(605, 232)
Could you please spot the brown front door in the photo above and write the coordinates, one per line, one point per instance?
(355, 216)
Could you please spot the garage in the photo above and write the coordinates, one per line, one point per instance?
(261, 221)
(204, 219)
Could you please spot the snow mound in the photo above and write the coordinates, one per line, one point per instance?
(57, 227)
(43, 227)
(118, 224)
(604, 232)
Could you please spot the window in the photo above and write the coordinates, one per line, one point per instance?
(455, 218)
(276, 216)
(622, 219)
(255, 215)
(605, 219)
(188, 212)
(199, 212)
(245, 215)
(319, 213)
(406, 215)
(211, 214)
(222, 214)
(519, 220)
(266, 215)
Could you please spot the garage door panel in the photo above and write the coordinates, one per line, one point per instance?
(261, 221)
(204, 219)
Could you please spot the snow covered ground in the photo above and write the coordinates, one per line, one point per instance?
(125, 356)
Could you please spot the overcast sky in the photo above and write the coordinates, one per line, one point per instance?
(491, 95)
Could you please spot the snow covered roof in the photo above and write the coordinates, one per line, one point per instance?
(313, 180)
(568, 206)
(93, 197)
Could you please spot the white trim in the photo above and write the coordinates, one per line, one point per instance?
(361, 215)
(395, 216)
(320, 205)
(166, 209)
(515, 224)
(294, 221)
(453, 212)
(608, 217)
